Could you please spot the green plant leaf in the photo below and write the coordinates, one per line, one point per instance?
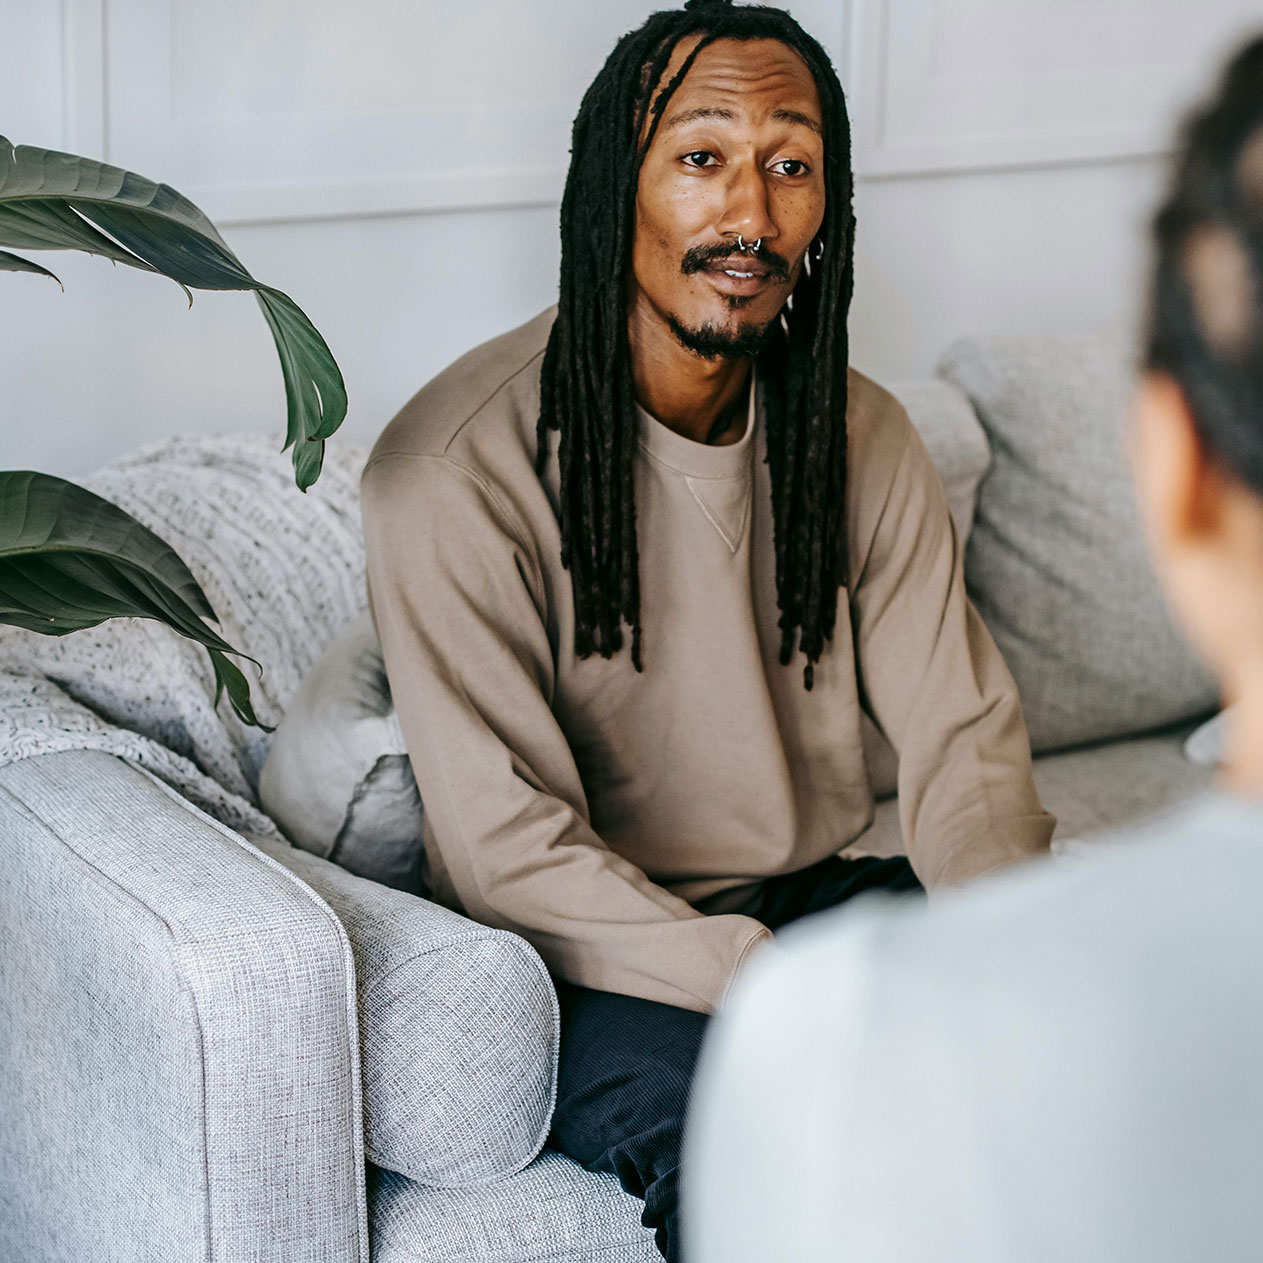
(70, 559)
(15, 263)
(229, 677)
(44, 224)
(59, 201)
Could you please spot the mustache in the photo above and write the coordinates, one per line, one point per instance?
(698, 258)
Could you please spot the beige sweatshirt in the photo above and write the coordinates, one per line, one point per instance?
(591, 808)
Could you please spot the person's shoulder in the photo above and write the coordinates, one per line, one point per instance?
(886, 465)
(490, 394)
(877, 424)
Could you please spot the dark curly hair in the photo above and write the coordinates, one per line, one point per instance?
(1206, 308)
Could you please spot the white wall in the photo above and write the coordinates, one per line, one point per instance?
(404, 190)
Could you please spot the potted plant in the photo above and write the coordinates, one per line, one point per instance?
(70, 559)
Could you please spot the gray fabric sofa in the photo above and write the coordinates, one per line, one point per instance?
(181, 1061)
(186, 1027)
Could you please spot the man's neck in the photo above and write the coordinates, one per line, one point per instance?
(687, 393)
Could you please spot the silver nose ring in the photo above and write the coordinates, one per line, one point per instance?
(744, 246)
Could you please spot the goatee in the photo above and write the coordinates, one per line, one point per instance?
(714, 341)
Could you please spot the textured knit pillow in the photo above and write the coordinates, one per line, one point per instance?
(337, 777)
(956, 441)
(1056, 562)
(283, 571)
(458, 1031)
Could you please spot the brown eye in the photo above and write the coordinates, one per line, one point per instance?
(801, 167)
(701, 155)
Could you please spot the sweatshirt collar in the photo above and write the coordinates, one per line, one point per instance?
(700, 460)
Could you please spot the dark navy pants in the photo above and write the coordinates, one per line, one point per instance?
(626, 1065)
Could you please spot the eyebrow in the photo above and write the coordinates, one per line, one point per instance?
(703, 111)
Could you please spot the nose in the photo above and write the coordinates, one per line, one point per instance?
(747, 208)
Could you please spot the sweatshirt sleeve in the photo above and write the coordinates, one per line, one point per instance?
(458, 603)
(933, 679)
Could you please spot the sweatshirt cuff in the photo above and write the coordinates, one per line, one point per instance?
(1011, 841)
(761, 936)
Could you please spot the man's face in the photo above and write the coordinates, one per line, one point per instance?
(738, 152)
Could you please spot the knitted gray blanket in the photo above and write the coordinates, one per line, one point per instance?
(283, 570)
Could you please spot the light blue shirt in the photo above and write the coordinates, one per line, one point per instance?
(1060, 1062)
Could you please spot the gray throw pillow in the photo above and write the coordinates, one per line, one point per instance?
(955, 440)
(337, 778)
(1056, 562)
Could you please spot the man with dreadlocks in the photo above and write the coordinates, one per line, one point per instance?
(678, 451)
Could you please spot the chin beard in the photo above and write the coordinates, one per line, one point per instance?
(714, 341)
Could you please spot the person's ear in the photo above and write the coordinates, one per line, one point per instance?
(1179, 486)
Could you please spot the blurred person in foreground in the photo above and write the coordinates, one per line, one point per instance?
(1064, 1062)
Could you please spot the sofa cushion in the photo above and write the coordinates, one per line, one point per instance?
(336, 777)
(1056, 562)
(955, 439)
(1089, 789)
(554, 1210)
(458, 1031)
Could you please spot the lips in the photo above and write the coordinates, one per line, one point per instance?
(737, 275)
(740, 263)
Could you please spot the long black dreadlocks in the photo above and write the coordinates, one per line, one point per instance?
(586, 378)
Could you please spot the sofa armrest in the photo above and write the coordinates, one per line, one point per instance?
(459, 1031)
(179, 1054)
